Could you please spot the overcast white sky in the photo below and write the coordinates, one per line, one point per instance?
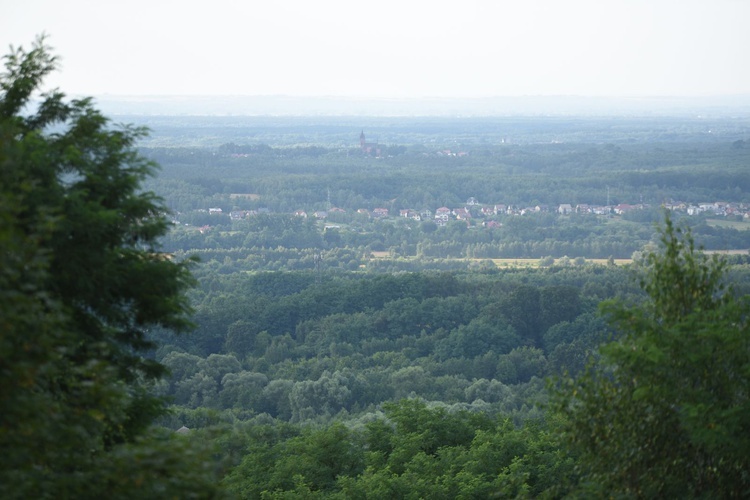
(390, 48)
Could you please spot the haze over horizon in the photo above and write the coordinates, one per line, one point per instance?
(396, 50)
(714, 107)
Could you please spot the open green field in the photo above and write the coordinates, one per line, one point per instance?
(726, 252)
(535, 262)
(733, 224)
(504, 263)
(518, 263)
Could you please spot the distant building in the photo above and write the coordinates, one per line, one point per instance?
(623, 208)
(238, 214)
(461, 214)
(369, 148)
(442, 213)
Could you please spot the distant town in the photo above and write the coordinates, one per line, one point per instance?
(483, 213)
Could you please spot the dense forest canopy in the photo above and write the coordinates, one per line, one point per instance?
(503, 307)
(360, 342)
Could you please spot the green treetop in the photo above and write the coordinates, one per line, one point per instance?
(81, 282)
(665, 411)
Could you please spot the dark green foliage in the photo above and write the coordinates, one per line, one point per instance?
(521, 307)
(301, 321)
(308, 463)
(664, 413)
(416, 451)
(308, 349)
(81, 282)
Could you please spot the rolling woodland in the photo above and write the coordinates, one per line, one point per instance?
(357, 307)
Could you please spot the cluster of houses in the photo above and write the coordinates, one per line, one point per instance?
(473, 209)
(237, 214)
(715, 208)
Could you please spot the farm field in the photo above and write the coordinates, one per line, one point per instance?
(731, 224)
(517, 263)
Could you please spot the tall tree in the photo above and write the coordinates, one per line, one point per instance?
(81, 282)
(665, 412)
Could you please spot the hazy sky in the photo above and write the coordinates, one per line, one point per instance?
(387, 48)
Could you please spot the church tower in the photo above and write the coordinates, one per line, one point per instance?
(362, 141)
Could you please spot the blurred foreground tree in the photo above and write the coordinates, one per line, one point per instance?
(664, 413)
(81, 281)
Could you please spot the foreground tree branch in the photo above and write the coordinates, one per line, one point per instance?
(81, 282)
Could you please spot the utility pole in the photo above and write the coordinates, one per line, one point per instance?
(318, 260)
